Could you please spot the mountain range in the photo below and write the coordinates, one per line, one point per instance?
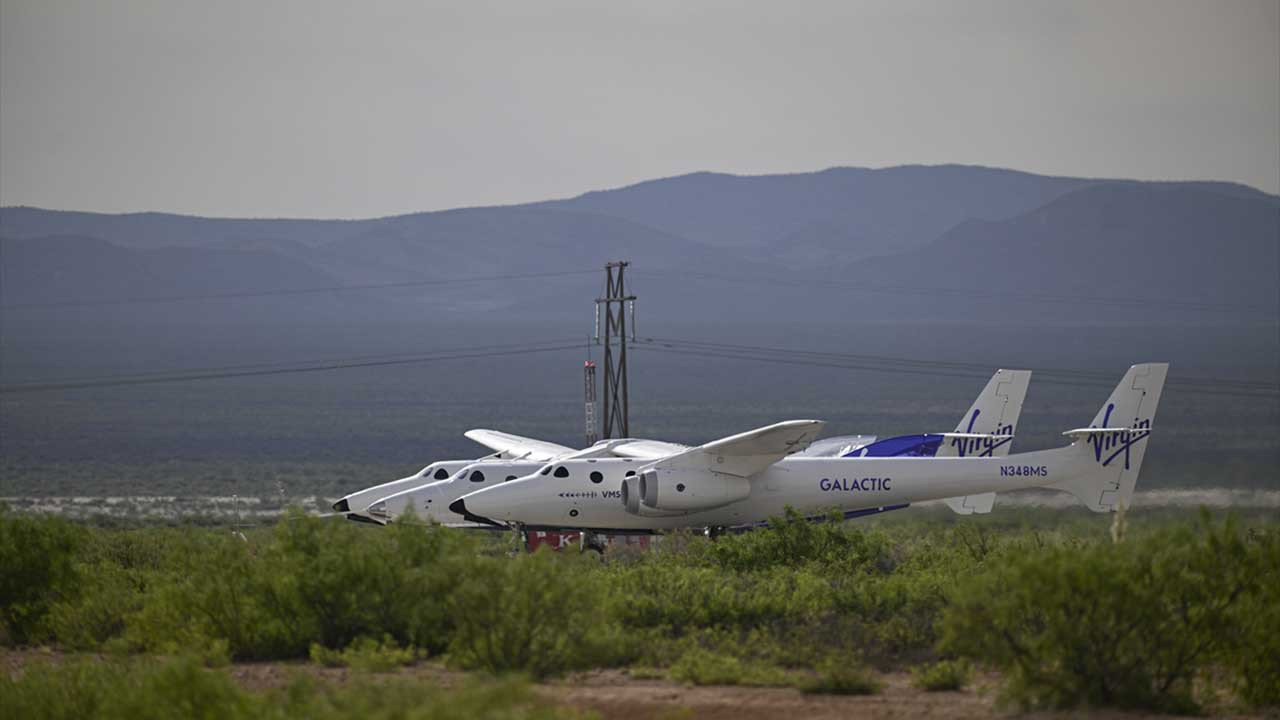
(913, 243)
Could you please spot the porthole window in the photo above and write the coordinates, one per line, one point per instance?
(441, 474)
(510, 478)
(561, 472)
(679, 487)
(477, 476)
(630, 473)
(596, 477)
(573, 513)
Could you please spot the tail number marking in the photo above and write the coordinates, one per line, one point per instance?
(1024, 471)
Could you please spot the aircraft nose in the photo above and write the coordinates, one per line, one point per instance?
(459, 506)
(342, 506)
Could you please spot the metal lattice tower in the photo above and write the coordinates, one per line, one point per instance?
(589, 384)
(615, 305)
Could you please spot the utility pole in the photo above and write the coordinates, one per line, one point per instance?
(615, 304)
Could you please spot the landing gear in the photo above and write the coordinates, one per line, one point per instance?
(592, 541)
(521, 539)
(713, 532)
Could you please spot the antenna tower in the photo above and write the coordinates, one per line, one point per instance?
(615, 306)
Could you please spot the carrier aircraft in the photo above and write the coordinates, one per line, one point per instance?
(986, 428)
(744, 479)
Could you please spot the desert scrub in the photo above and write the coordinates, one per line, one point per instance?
(536, 613)
(153, 690)
(366, 654)
(839, 676)
(704, 667)
(941, 676)
(1131, 625)
(38, 557)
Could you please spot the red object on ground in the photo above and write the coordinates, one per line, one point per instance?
(572, 540)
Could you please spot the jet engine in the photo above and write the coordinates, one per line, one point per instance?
(631, 501)
(689, 490)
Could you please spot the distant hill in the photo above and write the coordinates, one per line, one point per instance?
(1180, 245)
(843, 245)
(840, 212)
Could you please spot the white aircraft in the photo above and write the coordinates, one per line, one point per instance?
(997, 406)
(430, 501)
(505, 446)
(745, 479)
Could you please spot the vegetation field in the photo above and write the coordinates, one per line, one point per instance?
(1160, 610)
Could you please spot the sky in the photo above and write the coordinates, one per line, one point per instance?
(348, 110)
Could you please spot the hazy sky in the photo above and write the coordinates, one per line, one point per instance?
(360, 109)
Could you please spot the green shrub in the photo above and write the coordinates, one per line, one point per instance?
(1255, 656)
(37, 555)
(840, 677)
(942, 675)
(118, 690)
(1128, 625)
(677, 597)
(792, 540)
(181, 688)
(703, 667)
(534, 613)
(365, 654)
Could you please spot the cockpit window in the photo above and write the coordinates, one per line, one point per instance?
(477, 476)
(562, 472)
(545, 470)
(440, 474)
(510, 478)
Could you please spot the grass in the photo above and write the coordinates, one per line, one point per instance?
(839, 677)
(941, 676)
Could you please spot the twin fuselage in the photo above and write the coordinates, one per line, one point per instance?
(587, 493)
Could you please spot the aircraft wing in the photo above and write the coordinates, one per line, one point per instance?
(748, 453)
(648, 449)
(515, 446)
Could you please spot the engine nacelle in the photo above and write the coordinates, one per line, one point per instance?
(631, 501)
(685, 490)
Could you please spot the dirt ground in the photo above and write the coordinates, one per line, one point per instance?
(615, 694)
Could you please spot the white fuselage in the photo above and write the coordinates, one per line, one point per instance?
(430, 502)
(810, 485)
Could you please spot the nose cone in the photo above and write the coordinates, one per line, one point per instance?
(342, 506)
(460, 507)
(505, 502)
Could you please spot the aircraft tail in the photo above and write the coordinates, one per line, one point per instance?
(986, 430)
(1116, 440)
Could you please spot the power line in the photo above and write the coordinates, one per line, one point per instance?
(218, 374)
(1101, 377)
(942, 371)
(301, 291)
(292, 363)
(969, 293)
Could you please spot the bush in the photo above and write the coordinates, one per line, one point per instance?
(837, 677)
(792, 541)
(37, 556)
(538, 613)
(703, 667)
(365, 654)
(181, 688)
(942, 675)
(1256, 625)
(1127, 625)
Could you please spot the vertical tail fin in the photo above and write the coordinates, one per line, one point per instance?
(986, 430)
(994, 414)
(1115, 443)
